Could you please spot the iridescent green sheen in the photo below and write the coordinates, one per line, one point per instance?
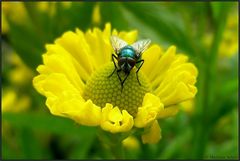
(127, 51)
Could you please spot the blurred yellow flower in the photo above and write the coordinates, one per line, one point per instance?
(131, 143)
(15, 11)
(74, 78)
(96, 17)
(4, 23)
(229, 44)
(51, 7)
(20, 74)
(12, 102)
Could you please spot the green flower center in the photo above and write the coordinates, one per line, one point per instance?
(102, 89)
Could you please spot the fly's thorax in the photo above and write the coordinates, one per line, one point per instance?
(102, 89)
(127, 52)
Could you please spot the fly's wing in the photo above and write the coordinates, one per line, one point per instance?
(117, 43)
(141, 45)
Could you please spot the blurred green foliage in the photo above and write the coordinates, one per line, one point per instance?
(209, 132)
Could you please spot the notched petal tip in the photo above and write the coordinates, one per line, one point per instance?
(113, 120)
(149, 111)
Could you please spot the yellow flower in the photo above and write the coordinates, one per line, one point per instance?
(115, 121)
(131, 143)
(11, 102)
(5, 27)
(15, 11)
(20, 74)
(152, 134)
(229, 43)
(96, 17)
(51, 7)
(75, 79)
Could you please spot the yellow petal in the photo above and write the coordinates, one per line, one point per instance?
(181, 93)
(178, 83)
(131, 143)
(160, 68)
(85, 113)
(149, 111)
(172, 77)
(63, 99)
(75, 44)
(150, 57)
(58, 89)
(168, 112)
(100, 47)
(130, 37)
(58, 60)
(114, 121)
(188, 106)
(153, 134)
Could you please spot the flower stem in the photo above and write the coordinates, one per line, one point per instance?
(117, 150)
(207, 92)
(112, 143)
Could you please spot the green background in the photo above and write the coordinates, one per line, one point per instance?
(210, 132)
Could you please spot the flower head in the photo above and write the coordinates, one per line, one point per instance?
(74, 79)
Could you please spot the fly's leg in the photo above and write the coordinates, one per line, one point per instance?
(119, 70)
(140, 61)
(113, 56)
(122, 82)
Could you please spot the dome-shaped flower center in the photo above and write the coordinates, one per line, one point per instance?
(102, 89)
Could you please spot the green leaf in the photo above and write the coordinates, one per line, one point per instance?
(26, 43)
(218, 8)
(84, 136)
(79, 15)
(168, 25)
(29, 38)
(46, 123)
(176, 144)
(30, 145)
(112, 12)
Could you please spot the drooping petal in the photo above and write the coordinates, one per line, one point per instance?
(153, 134)
(131, 143)
(114, 120)
(168, 112)
(149, 111)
